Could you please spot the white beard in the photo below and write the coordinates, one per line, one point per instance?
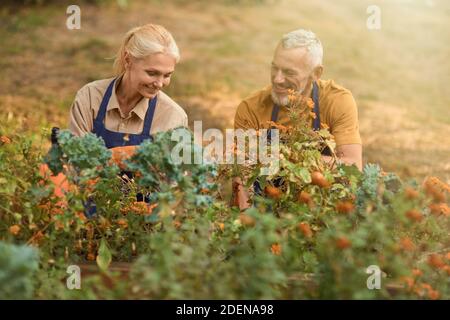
(281, 101)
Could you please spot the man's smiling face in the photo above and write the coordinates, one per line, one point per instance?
(291, 69)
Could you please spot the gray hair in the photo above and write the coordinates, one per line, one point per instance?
(304, 39)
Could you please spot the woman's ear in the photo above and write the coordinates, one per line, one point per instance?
(127, 60)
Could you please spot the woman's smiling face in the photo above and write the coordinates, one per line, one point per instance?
(150, 74)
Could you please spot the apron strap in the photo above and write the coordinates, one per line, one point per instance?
(149, 116)
(273, 118)
(315, 94)
(275, 111)
(102, 110)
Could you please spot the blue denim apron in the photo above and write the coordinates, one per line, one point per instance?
(118, 139)
(316, 126)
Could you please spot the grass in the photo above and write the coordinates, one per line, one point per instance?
(399, 74)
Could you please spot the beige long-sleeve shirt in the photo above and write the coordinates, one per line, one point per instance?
(84, 109)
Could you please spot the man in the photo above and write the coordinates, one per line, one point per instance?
(297, 65)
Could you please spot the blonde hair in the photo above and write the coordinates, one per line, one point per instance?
(142, 41)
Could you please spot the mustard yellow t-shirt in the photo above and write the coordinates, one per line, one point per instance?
(336, 104)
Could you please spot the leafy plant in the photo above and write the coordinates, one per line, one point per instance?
(312, 236)
(17, 267)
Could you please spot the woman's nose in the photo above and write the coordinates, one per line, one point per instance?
(158, 83)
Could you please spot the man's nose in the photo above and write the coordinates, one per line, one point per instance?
(279, 77)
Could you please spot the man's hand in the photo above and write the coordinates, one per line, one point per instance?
(349, 154)
(240, 196)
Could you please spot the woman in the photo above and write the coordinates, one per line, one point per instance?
(129, 108)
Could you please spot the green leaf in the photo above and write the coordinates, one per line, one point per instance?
(152, 218)
(304, 174)
(165, 210)
(310, 260)
(18, 265)
(104, 257)
(350, 170)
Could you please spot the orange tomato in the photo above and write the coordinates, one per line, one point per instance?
(411, 193)
(407, 244)
(305, 197)
(343, 243)
(247, 220)
(272, 192)
(305, 229)
(344, 207)
(318, 179)
(414, 215)
(14, 229)
(435, 260)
